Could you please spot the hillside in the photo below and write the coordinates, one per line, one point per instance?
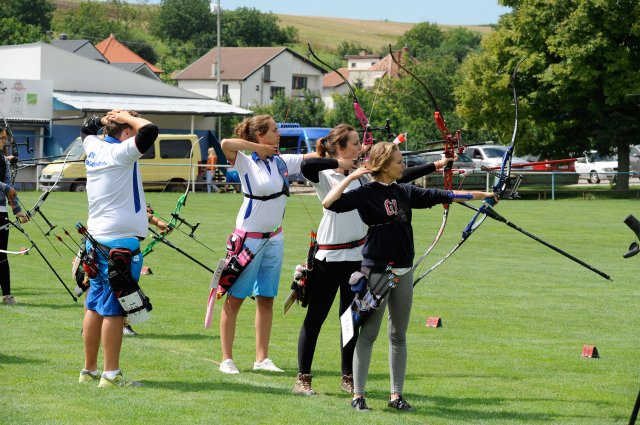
(326, 33)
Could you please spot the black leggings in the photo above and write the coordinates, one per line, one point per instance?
(5, 276)
(327, 277)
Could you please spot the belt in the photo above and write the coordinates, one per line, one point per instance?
(258, 235)
(347, 245)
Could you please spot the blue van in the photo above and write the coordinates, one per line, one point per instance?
(299, 140)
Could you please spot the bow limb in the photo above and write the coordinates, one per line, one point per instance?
(24, 251)
(36, 209)
(500, 188)
(34, 245)
(176, 219)
(451, 143)
(367, 137)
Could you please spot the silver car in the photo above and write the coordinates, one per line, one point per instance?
(490, 156)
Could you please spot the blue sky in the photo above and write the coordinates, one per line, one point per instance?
(447, 12)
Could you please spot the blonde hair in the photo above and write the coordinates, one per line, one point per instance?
(210, 151)
(380, 156)
(338, 136)
(252, 127)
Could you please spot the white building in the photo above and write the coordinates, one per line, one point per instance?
(46, 93)
(251, 76)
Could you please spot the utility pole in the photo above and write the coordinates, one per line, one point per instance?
(218, 12)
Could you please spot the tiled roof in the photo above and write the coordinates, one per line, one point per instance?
(332, 79)
(117, 52)
(238, 63)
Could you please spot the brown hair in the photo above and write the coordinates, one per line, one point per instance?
(115, 129)
(338, 136)
(380, 156)
(252, 127)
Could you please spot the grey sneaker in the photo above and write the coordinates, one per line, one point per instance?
(118, 381)
(8, 299)
(87, 377)
(360, 405)
(303, 385)
(128, 330)
(400, 404)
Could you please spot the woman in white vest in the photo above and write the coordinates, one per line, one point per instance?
(264, 178)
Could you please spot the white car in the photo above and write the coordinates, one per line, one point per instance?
(595, 167)
(490, 156)
(634, 158)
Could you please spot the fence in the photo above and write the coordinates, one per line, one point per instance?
(546, 184)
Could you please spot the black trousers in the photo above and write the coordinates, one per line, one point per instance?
(5, 275)
(326, 279)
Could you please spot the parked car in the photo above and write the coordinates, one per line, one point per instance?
(299, 140)
(594, 167)
(464, 168)
(420, 157)
(164, 164)
(564, 172)
(490, 156)
(634, 158)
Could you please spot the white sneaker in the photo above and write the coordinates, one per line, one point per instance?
(266, 365)
(228, 366)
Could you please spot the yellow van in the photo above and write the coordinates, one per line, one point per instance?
(164, 165)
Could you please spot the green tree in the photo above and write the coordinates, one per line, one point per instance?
(29, 12)
(421, 40)
(247, 27)
(577, 84)
(350, 48)
(96, 21)
(13, 31)
(460, 42)
(406, 104)
(305, 108)
(90, 20)
(186, 20)
(177, 56)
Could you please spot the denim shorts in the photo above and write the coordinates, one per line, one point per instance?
(262, 275)
(100, 297)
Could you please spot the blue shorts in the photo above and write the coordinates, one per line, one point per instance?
(262, 275)
(100, 298)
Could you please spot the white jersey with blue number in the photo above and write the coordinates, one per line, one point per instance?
(117, 206)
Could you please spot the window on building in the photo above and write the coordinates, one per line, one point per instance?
(298, 82)
(225, 90)
(276, 91)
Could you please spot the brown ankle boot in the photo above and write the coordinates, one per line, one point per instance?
(303, 385)
(347, 384)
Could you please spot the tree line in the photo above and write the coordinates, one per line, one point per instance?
(578, 87)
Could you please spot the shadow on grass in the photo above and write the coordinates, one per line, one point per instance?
(7, 359)
(66, 305)
(193, 387)
(461, 410)
(184, 336)
(467, 409)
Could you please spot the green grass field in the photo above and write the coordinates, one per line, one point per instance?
(515, 316)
